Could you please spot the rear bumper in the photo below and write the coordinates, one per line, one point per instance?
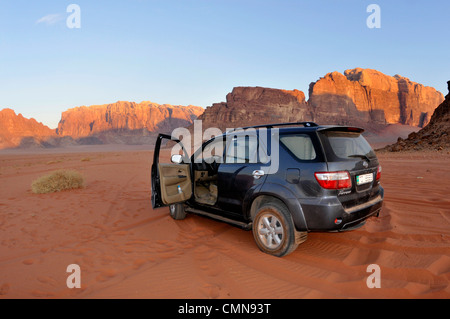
(357, 216)
(330, 215)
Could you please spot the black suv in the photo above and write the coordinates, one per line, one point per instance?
(280, 180)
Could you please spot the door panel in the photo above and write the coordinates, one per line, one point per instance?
(237, 176)
(166, 177)
(172, 176)
(235, 181)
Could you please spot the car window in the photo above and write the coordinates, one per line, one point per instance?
(244, 149)
(170, 147)
(212, 152)
(300, 145)
(347, 144)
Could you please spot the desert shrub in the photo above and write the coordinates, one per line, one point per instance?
(53, 162)
(57, 181)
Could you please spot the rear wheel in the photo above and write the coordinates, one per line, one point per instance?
(274, 230)
(177, 211)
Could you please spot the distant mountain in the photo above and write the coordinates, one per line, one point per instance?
(16, 130)
(116, 123)
(434, 136)
(246, 106)
(125, 122)
(370, 96)
(361, 97)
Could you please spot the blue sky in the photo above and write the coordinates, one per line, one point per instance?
(195, 51)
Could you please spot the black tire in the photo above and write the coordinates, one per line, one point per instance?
(177, 211)
(274, 230)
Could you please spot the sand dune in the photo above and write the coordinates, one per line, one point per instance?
(127, 250)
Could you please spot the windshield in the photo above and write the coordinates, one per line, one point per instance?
(212, 152)
(346, 145)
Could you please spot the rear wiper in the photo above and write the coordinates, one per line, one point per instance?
(361, 156)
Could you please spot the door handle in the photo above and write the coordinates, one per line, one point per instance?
(257, 174)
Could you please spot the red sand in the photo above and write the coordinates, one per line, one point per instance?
(127, 250)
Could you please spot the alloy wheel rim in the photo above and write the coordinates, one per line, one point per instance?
(270, 231)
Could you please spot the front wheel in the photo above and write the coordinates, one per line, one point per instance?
(274, 230)
(177, 211)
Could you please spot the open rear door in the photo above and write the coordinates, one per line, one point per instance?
(171, 182)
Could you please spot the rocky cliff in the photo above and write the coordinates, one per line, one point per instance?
(116, 123)
(370, 96)
(16, 130)
(256, 105)
(125, 117)
(362, 97)
(358, 97)
(434, 136)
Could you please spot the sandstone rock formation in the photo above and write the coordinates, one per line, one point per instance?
(361, 97)
(256, 105)
(370, 96)
(448, 87)
(436, 135)
(15, 129)
(117, 123)
(123, 117)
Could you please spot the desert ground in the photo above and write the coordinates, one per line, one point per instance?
(125, 249)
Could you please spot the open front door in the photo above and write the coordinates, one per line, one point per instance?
(171, 182)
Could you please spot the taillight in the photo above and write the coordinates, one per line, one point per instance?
(378, 173)
(334, 180)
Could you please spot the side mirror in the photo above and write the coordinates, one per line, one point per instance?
(176, 159)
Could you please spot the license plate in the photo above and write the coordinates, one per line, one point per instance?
(364, 179)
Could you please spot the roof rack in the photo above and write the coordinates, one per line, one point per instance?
(305, 124)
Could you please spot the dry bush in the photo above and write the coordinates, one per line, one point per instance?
(57, 181)
(54, 162)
